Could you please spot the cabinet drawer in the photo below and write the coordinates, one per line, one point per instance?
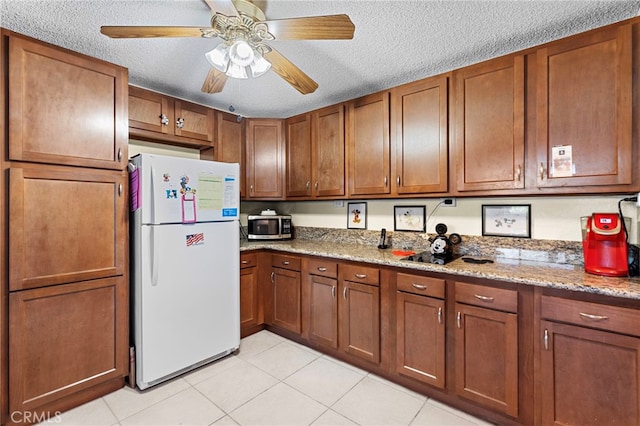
(594, 315)
(360, 274)
(248, 260)
(417, 284)
(488, 297)
(323, 268)
(285, 262)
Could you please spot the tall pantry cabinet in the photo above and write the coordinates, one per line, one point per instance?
(64, 252)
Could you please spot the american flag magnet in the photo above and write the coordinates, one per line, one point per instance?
(195, 239)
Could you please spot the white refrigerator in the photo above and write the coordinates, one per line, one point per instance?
(185, 264)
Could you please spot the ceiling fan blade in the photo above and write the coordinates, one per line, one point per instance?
(214, 83)
(151, 32)
(329, 27)
(224, 7)
(291, 73)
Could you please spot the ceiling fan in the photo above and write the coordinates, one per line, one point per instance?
(244, 30)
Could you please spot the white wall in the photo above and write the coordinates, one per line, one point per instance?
(552, 218)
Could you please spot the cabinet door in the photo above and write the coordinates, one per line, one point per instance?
(298, 134)
(584, 105)
(65, 339)
(489, 125)
(194, 121)
(265, 159)
(486, 357)
(368, 145)
(420, 144)
(323, 310)
(286, 299)
(65, 108)
(230, 143)
(589, 377)
(360, 320)
(150, 111)
(420, 338)
(249, 300)
(67, 224)
(328, 141)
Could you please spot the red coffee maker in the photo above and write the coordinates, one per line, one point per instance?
(604, 243)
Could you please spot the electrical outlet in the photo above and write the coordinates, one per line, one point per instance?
(338, 203)
(448, 202)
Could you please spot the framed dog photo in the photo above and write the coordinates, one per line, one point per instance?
(506, 220)
(357, 215)
(409, 218)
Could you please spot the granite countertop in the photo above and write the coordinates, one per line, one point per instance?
(544, 274)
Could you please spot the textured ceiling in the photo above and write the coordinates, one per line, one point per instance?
(395, 42)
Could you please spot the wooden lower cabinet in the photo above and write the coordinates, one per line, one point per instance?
(64, 340)
(486, 347)
(323, 310)
(249, 294)
(285, 309)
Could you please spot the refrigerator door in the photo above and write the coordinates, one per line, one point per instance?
(187, 306)
(181, 190)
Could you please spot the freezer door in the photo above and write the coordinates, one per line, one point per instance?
(181, 190)
(187, 305)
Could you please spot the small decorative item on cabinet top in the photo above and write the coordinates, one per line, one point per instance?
(506, 220)
(409, 218)
(357, 215)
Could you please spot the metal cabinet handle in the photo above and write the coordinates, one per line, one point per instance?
(245, 262)
(308, 185)
(519, 173)
(545, 339)
(594, 317)
(361, 276)
(119, 189)
(333, 291)
(180, 122)
(386, 181)
(273, 277)
(316, 185)
(344, 293)
(459, 319)
(419, 286)
(251, 188)
(322, 269)
(440, 315)
(398, 181)
(484, 298)
(119, 154)
(541, 171)
(285, 262)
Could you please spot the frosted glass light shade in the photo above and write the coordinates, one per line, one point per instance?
(240, 53)
(219, 57)
(259, 65)
(236, 71)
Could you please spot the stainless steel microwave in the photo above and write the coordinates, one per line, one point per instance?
(269, 227)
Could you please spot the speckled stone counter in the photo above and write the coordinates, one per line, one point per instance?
(550, 274)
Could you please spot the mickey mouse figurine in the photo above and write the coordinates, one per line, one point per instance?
(441, 246)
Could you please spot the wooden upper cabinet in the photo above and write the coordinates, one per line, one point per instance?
(329, 151)
(67, 224)
(299, 156)
(265, 158)
(368, 145)
(64, 107)
(161, 118)
(230, 136)
(488, 125)
(420, 137)
(584, 108)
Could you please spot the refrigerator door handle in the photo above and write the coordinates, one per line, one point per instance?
(155, 257)
(153, 195)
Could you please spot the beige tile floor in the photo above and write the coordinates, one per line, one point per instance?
(270, 381)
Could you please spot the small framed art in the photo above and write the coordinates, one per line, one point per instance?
(409, 218)
(357, 215)
(506, 220)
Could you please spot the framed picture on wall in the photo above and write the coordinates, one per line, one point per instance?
(357, 215)
(409, 218)
(506, 220)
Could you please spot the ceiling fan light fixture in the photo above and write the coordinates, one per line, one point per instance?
(259, 65)
(219, 57)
